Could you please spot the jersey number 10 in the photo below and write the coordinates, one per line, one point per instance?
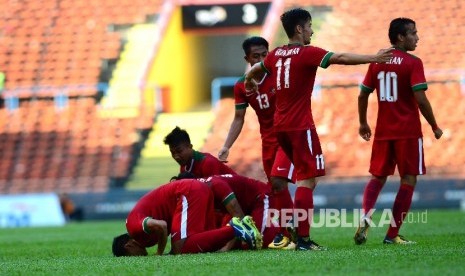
(387, 86)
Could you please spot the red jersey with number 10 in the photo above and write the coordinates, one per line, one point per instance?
(395, 83)
(293, 69)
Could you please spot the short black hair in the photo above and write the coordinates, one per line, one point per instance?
(253, 41)
(119, 243)
(183, 175)
(291, 18)
(397, 27)
(176, 137)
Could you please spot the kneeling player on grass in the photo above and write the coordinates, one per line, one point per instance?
(236, 195)
(184, 209)
(201, 164)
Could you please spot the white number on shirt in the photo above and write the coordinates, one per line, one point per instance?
(287, 67)
(387, 86)
(263, 101)
(320, 162)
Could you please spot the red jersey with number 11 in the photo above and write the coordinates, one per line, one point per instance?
(293, 68)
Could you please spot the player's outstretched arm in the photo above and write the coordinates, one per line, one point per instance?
(234, 131)
(383, 55)
(427, 112)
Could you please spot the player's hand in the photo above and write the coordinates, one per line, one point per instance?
(223, 154)
(384, 55)
(365, 132)
(250, 85)
(437, 133)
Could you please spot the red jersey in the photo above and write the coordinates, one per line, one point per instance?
(293, 70)
(395, 83)
(186, 206)
(262, 101)
(245, 190)
(204, 165)
(159, 204)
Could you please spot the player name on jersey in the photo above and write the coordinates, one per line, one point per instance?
(288, 52)
(395, 60)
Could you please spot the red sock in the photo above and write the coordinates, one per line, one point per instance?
(283, 203)
(400, 208)
(284, 198)
(370, 195)
(303, 205)
(209, 241)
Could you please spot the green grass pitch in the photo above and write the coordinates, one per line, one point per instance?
(85, 249)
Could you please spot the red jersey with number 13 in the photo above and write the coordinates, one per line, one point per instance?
(262, 101)
(293, 68)
(395, 83)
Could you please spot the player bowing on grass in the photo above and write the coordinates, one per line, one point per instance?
(254, 198)
(293, 68)
(400, 86)
(184, 210)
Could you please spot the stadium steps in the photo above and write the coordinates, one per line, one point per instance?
(155, 166)
(123, 95)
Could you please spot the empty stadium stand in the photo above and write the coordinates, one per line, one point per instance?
(53, 134)
(48, 149)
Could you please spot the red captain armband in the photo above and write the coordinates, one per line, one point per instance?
(434, 127)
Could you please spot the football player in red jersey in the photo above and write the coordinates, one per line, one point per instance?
(184, 210)
(293, 69)
(277, 166)
(400, 85)
(254, 198)
(200, 164)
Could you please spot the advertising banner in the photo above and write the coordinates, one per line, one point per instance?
(30, 210)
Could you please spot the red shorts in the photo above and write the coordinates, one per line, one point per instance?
(269, 151)
(283, 167)
(407, 154)
(194, 213)
(304, 150)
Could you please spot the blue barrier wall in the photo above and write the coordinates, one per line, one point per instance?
(429, 194)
